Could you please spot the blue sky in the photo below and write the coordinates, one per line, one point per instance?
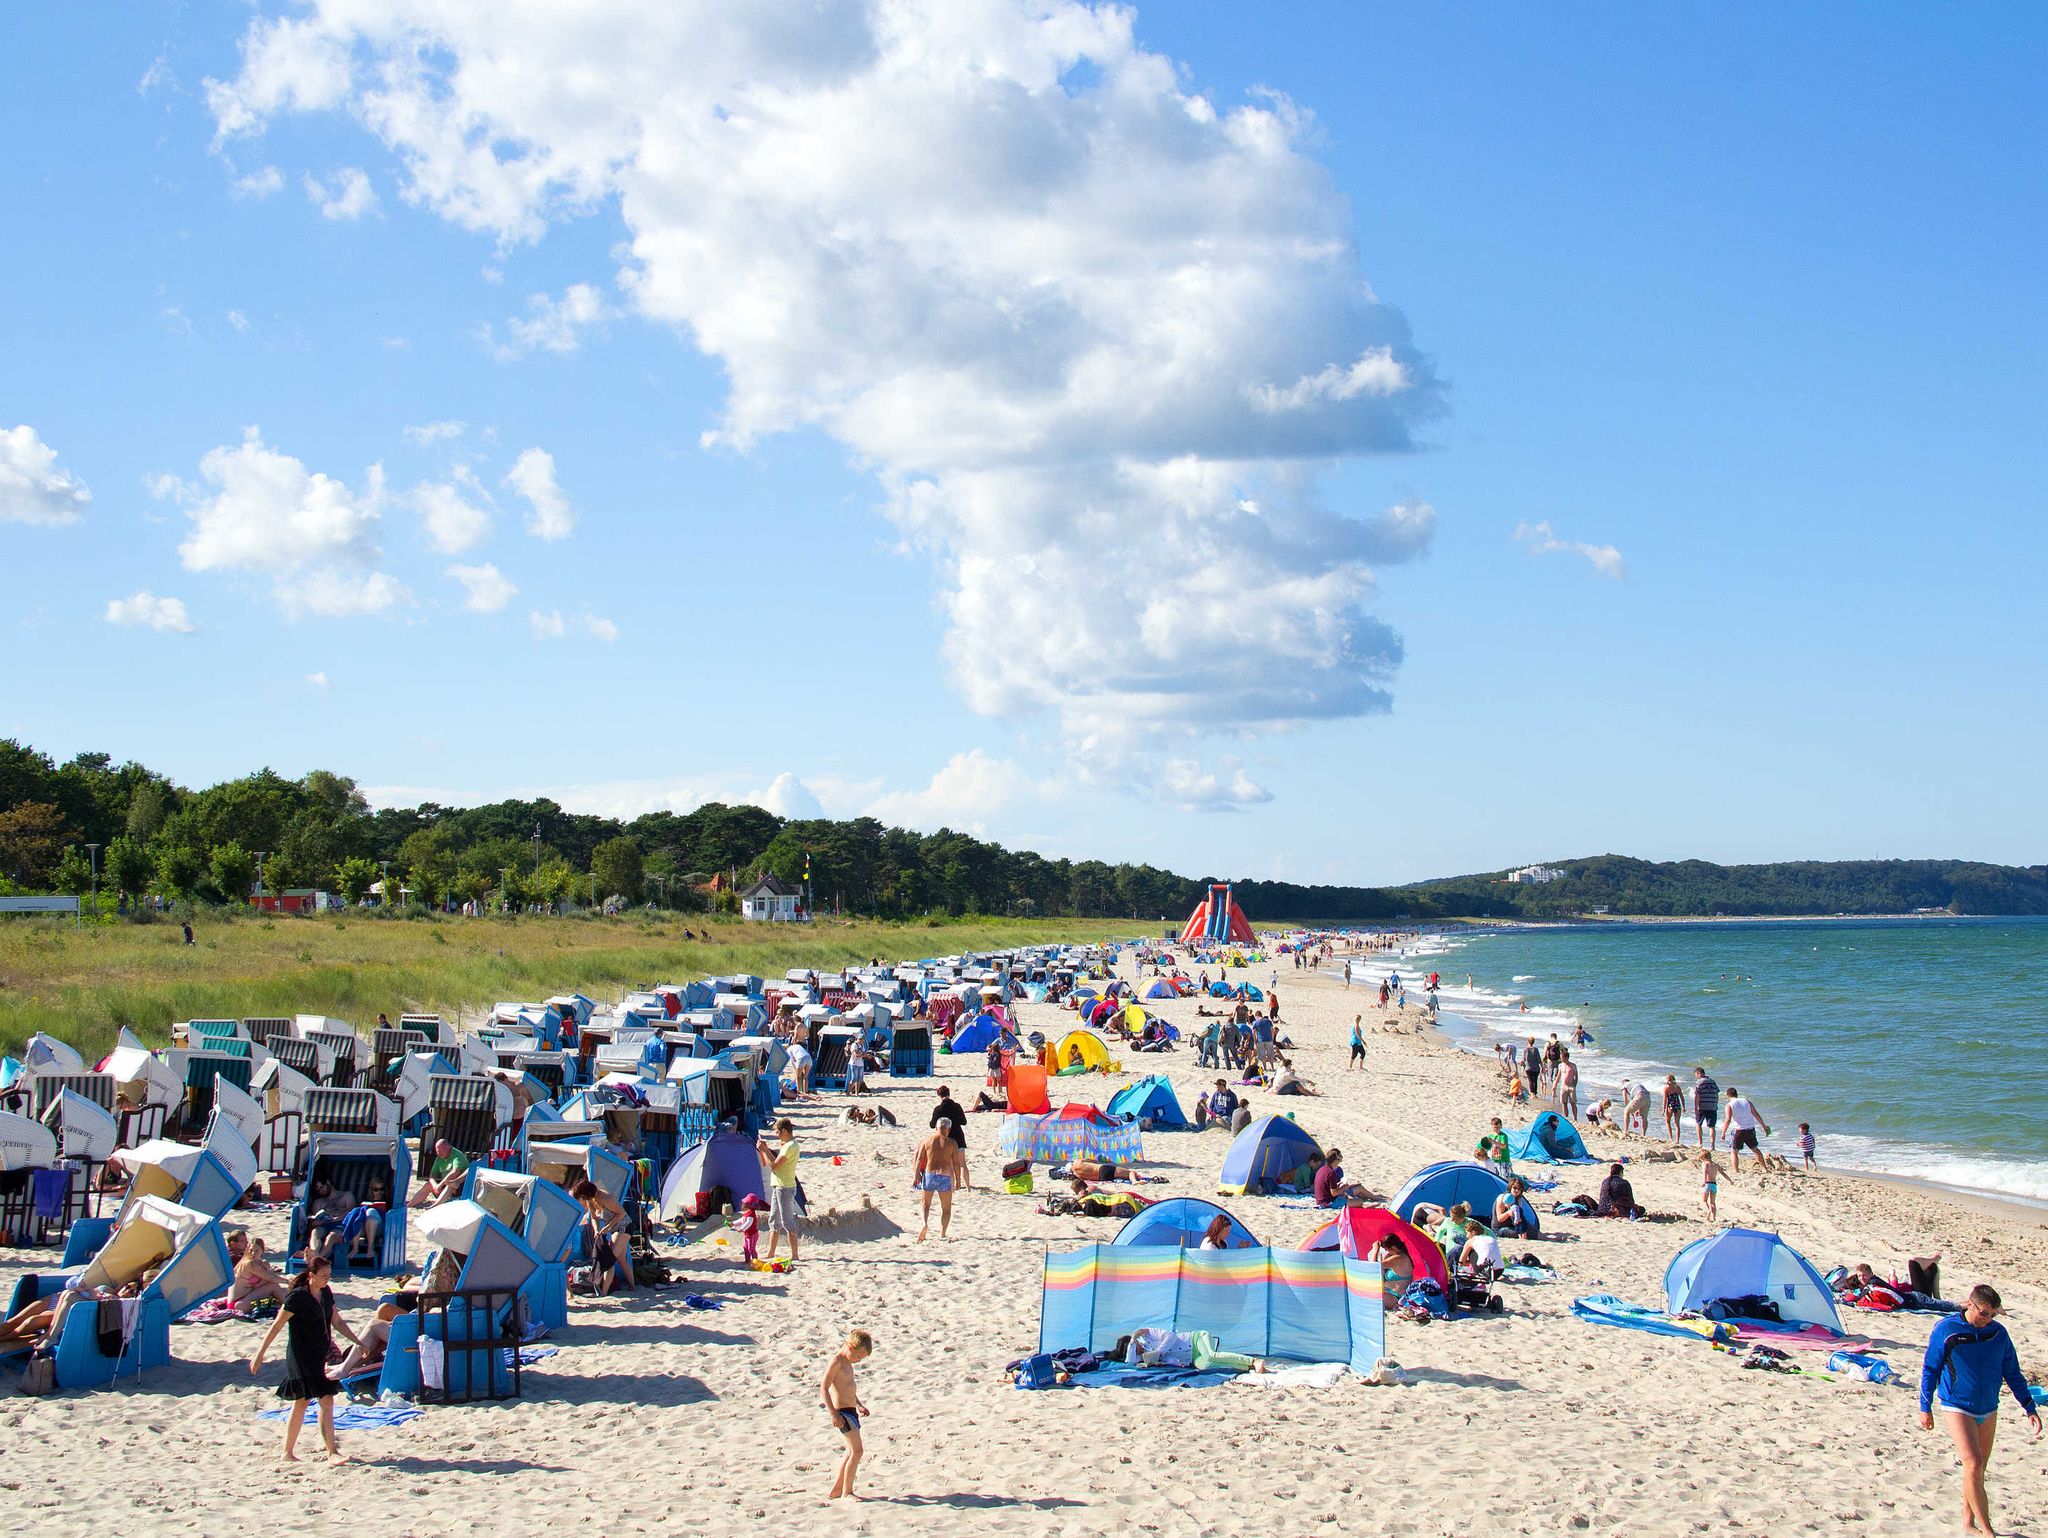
(1083, 418)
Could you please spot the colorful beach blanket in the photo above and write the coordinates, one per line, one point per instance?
(352, 1417)
(1604, 1308)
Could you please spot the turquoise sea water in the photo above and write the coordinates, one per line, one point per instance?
(1915, 1048)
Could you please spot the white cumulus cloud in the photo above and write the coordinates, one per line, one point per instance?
(1077, 318)
(597, 626)
(427, 434)
(317, 680)
(345, 195)
(549, 513)
(548, 625)
(965, 791)
(486, 589)
(145, 608)
(452, 522)
(256, 510)
(262, 182)
(1542, 539)
(1187, 784)
(788, 796)
(34, 488)
(550, 324)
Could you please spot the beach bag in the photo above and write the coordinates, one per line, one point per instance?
(1018, 1185)
(1015, 1168)
(40, 1376)
(1037, 1371)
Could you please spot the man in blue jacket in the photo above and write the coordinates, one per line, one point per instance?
(1969, 1356)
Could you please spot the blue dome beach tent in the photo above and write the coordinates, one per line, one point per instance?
(1748, 1263)
(976, 1036)
(1549, 1139)
(725, 1159)
(1181, 1220)
(1453, 1181)
(1265, 1153)
(1151, 1100)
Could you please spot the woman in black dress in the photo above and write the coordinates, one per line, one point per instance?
(309, 1313)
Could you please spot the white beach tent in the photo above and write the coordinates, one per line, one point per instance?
(26, 1144)
(140, 1074)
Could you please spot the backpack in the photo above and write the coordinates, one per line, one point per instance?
(1037, 1371)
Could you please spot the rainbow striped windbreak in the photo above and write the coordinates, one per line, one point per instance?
(1300, 1305)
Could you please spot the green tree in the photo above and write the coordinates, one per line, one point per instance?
(178, 870)
(128, 867)
(148, 806)
(619, 870)
(355, 876)
(234, 871)
(73, 875)
(32, 840)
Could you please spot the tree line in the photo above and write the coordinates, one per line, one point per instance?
(155, 836)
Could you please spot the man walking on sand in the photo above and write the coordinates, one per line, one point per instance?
(841, 1398)
(1969, 1358)
(934, 1172)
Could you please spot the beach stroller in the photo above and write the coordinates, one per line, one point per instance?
(461, 1344)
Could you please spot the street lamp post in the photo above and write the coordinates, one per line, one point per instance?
(536, 849)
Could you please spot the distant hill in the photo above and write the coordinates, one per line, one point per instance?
(1698, 889)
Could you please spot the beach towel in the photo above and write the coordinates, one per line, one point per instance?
(52, 1192)
(1530, 1274)
(1805, 1337)
(351, 1417)
(1604, 1308)
(214, 1311)
(1122, 1375)
(528, 1355)
(1298, 1375)
(698, 1300)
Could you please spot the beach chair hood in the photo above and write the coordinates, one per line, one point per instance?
(25, 1144)
(151, 1230)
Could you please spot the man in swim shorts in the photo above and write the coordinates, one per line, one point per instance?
(934, 1173)
(1741, 1124)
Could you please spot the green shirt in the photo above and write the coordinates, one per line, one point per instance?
(456, 1163)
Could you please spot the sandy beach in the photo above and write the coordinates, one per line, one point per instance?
(654, 1418)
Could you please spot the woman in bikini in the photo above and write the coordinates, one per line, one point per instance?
(255, 1278)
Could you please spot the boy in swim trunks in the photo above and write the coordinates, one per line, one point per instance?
(1710, 1182)
(841, 1399)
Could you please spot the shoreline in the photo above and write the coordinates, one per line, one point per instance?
(2003, 1204)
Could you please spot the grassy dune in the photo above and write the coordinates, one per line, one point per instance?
(83, 984)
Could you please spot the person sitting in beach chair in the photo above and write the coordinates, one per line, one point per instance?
(369, 1348)
(326, 1212)
(256, 1278)
(444, 1176)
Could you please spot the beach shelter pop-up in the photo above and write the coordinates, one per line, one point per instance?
(1265, 1153)
(726, 1161)
(1549, 1139)
(1750, 1263)
(1182, 1221)
(1357, 1230)
(1151, 1100)
(1452, 1181)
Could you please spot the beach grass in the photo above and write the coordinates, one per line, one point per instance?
(82, 984)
